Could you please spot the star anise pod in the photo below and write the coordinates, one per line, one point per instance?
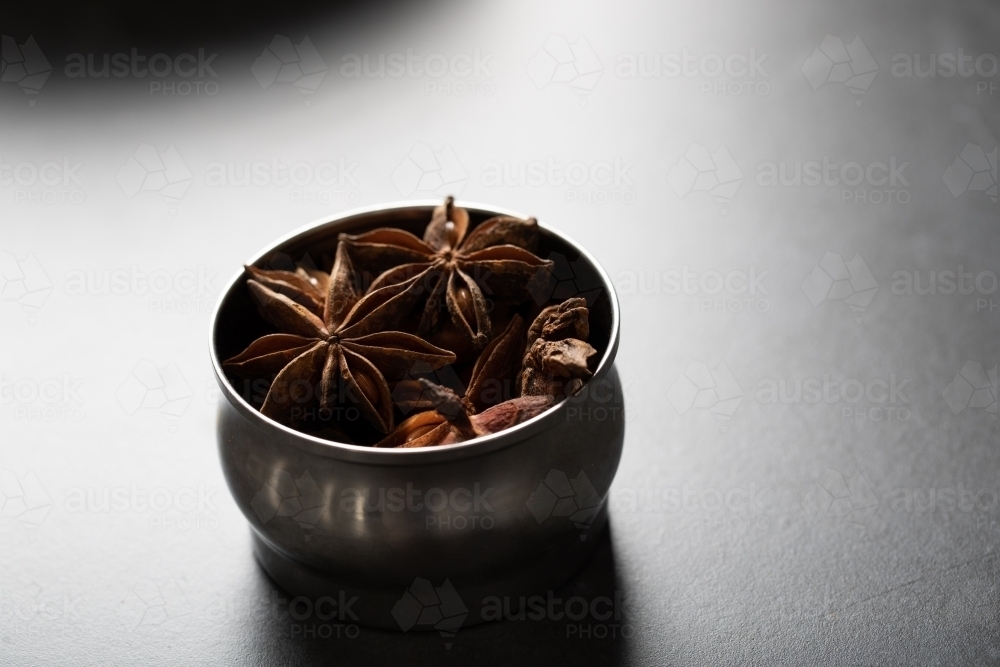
(306, 287)
(557, 357)
(453, 418)
(450, 421)
(493, 376)
(495, 257)
(351, 350)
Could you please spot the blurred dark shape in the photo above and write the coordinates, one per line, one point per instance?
(180, 23)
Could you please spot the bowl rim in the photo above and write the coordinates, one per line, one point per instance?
(394, 456)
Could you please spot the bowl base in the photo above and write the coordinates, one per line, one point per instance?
(326, 597)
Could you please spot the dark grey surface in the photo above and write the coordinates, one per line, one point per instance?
(789, 532)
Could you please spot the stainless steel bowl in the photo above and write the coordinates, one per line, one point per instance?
(429, 538)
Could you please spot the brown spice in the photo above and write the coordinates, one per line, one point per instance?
(334, 345)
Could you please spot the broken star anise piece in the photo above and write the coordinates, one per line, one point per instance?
(451, 421)
(556, 362)
(454, 269)
(493, 376)
(348, 353)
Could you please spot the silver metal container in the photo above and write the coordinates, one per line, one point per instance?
(430, 538)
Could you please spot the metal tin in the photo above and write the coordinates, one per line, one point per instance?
(430, 538)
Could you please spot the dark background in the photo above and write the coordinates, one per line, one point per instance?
(844, 529)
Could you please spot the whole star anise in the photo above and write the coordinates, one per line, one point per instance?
(449, 265)
(349, 346)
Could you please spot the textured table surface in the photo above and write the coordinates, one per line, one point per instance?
(797, 204)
